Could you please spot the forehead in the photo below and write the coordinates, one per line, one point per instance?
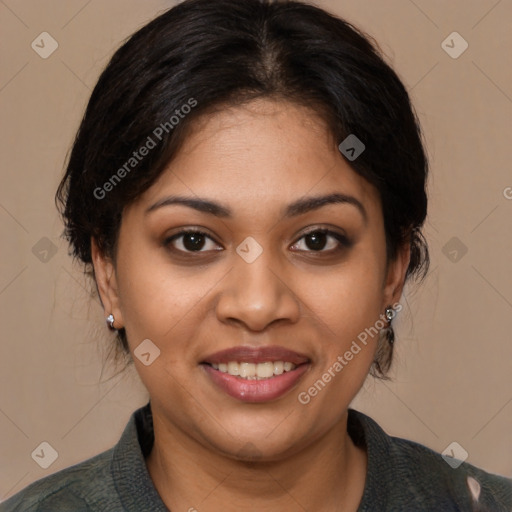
(265, 152)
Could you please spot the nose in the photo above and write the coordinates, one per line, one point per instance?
(257, 294)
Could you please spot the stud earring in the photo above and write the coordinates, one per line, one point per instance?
(110, 321)
(389, 313)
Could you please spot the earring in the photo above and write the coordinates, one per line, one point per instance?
(110, 321)
(389, 332)
(390, 313)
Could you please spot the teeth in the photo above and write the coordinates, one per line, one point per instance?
(253, 371)
(233, 368)
(247, 369)
(265, 370)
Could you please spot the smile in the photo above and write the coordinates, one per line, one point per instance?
(253, 371)
(255, 374)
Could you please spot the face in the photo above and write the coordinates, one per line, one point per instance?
(264, 271)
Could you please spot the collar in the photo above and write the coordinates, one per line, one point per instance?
(137, 492)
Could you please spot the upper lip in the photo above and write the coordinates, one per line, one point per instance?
(256, 355)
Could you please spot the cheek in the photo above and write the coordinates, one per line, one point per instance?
(162, 305)
(345, 310)
(349, 299)
(345, 307)
(161, 301)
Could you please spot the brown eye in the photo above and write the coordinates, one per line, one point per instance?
(320, 239)
(191, 241)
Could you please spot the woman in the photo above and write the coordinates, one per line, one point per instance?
(248, 188)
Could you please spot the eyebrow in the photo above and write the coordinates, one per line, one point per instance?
(296, 208)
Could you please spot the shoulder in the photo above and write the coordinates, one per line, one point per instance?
(78, 488)
(428, 473)
(405, 475)
(116, 479)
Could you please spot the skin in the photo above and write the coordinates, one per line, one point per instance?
(213, 452)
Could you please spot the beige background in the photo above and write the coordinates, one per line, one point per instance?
(452, 374)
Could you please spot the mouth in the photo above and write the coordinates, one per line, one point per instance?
(255, 371)
(255, 374)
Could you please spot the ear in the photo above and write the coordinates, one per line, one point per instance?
(395, 277)
(106, 282)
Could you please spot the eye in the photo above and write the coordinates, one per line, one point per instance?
(191, 240)
(317, 240)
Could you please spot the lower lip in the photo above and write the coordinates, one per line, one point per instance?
(256, 390)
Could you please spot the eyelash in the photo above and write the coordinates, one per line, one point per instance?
(344, 242)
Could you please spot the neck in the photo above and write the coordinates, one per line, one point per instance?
(328, 475)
